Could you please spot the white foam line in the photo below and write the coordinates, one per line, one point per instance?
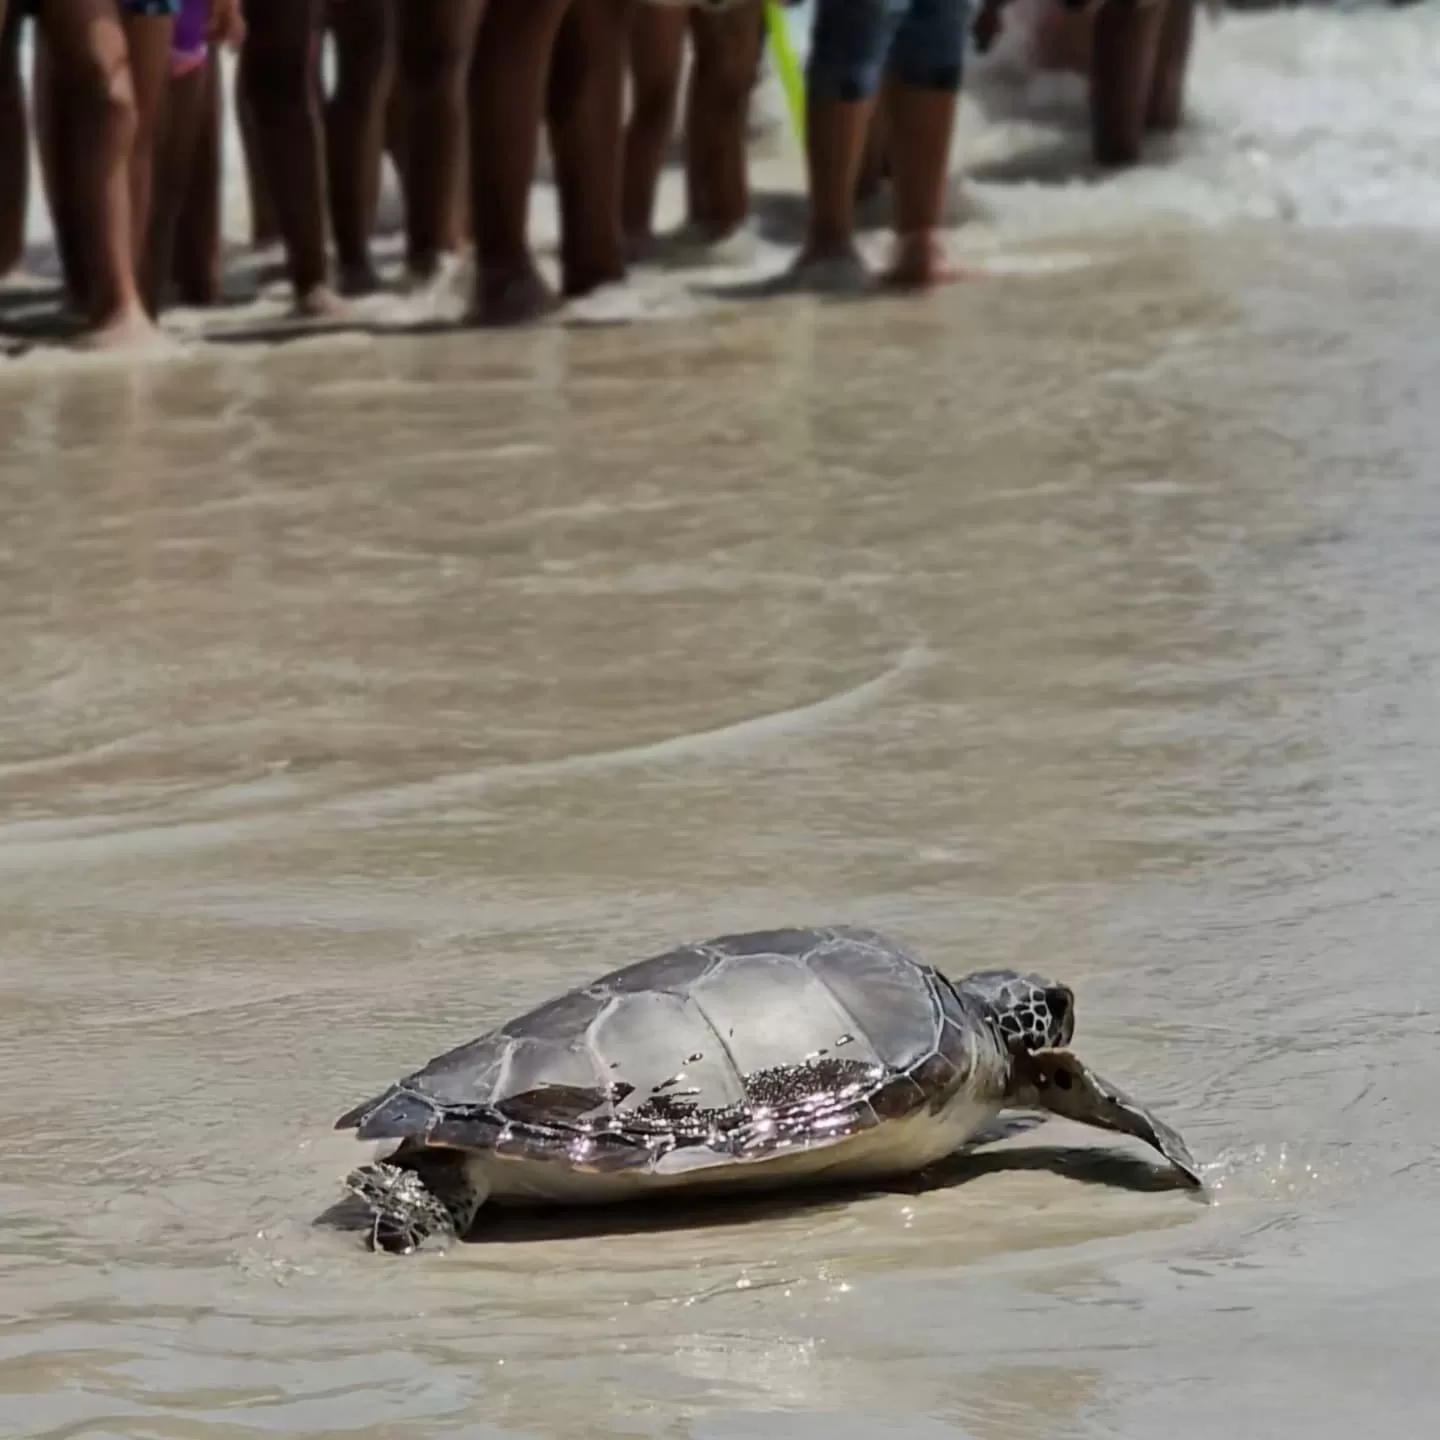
(725, 740)
(699, 744)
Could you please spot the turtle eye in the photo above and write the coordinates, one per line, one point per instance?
(1060, 1004)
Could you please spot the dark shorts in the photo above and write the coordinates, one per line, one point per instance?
(160, 8)
(855, 42)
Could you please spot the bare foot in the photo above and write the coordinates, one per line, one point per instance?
(835, 272)
(432, 274)
(583, 280)
(129, 329)
(814, 272)
(320, 303)
(702, 246)
(511, 297)
(622, 302)
(357, 280)
(920, 263)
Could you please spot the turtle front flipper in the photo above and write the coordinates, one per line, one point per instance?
(1060, 1082)
(428, 1196)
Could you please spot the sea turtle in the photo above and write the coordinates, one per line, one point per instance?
(755, 1060)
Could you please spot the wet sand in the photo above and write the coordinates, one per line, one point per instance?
(359, 691)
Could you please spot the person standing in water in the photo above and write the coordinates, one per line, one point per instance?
(1135, 55)
(184, 238)
(364, 36)
(562, 62)
(1139, 56)
(917, 49)
(437, 40)
(411, 59)
(101, 70)
(407, 60)
(726, 41)
(279, 84)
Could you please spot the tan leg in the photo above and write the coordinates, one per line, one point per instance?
(148, 40)
(437, 45)
(176, 140)
(585, 112)
(196, 264)
(1172, 65)
(507, 106)
(278, 77)
(264, 227)
(93, 122)
(657, 50)
(355, 131)
(727, 58)
(1127, 38)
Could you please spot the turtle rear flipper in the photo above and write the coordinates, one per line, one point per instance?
(1060, 1082)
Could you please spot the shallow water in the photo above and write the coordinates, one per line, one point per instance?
(357, 694)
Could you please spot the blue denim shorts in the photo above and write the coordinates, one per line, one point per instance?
(854, 42)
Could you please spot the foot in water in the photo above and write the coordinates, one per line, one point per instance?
(356, 281)
(700, 247)
(320, 302)
(920, 262)
(840, 272)
(623, 302)
(826, 272)
(130, 329)
(513, 297)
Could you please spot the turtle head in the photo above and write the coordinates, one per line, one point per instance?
(1033, 1013)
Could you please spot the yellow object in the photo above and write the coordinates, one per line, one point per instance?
(786, 65)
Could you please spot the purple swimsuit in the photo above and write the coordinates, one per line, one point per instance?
(188, 46)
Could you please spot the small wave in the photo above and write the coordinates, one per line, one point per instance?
(165, 837)
(698, 744)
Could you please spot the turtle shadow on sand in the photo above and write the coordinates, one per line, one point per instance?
(1089, 1165)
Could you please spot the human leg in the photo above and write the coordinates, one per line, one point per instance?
(355, 130)
(657, 50)
(585, 115)
(437, 45)
(277, 76)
